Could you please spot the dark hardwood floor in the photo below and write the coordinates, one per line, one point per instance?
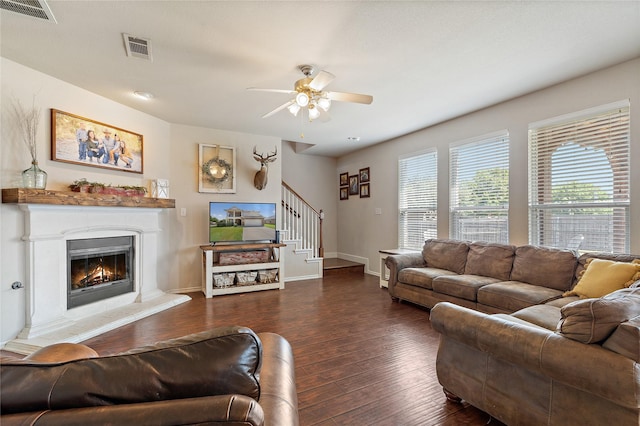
(361, 359)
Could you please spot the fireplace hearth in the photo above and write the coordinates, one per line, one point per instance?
(99, 268)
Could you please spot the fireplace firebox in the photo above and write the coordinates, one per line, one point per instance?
(99, 268)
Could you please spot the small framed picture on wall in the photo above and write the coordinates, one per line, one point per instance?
(364, 175)
(353, 185)
(364, 190)
(344, 193)
(344, 179)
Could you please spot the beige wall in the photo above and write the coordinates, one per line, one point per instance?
(362, 232)
(314, 178)
(190, 231)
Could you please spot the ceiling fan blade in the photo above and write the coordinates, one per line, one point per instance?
(321, 80)
(350, 97)
(257, 89)
(280, 108)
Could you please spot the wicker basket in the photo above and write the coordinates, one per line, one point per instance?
(246, 278)
(224, 279)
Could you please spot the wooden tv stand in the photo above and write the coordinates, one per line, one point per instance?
(212, 268)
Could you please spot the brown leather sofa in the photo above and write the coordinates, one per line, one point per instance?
(488, 277)
(229, 376)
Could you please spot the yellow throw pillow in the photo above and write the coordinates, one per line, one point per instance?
(601, 277)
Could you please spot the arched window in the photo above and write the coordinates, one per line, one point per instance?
(579, 180)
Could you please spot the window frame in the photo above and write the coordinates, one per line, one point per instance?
(544, 225)
(500, 232)
(430, 214)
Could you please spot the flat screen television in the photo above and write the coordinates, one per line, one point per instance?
(233, 222)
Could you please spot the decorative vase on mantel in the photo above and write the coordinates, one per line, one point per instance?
(34, 177)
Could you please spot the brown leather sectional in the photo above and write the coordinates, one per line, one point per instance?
(513, 346)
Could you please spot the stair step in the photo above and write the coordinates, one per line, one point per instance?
(335, 266)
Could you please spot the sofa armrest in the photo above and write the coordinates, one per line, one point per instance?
(542, 351)
(232, 409)
(397, 262)
(278, 395)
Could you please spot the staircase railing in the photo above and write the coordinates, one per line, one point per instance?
(301, 221)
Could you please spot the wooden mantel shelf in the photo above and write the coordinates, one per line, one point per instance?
(68, 198)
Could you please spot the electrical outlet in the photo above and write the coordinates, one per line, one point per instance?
(378, 210)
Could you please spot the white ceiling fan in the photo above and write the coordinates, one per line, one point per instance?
(309, 94)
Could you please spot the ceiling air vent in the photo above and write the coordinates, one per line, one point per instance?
(38, 9)
(137, 47)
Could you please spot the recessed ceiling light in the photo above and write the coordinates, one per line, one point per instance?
(353, 138)
(144, 95)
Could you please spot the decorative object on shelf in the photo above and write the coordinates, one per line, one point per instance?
(344, 193)
(364, 190)
(28, 120)
(82, 185)
(34, 177)
(79, 140)
(364, 175)
(260, 179)
(217, 169)
(353, 185)
(344, 179)
(160, 188)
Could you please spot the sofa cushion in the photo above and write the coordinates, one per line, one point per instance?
(616, 257)
(461, 286)
(544, 266)
(421, 277)
(561, 301)
(602, 277)
(546, 316)
(446, 254)
(490, 260)
(625, 340)
(511, 296)
(593, 320)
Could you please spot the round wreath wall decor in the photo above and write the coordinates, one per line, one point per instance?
(217, 171)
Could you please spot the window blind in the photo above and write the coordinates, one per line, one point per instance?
(579, 180)
(479, 188)
(417, 199)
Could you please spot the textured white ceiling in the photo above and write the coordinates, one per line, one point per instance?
(423, 62)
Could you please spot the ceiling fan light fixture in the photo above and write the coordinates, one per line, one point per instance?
(293, 109)
(302, 99)
(324, 103)
(313, 112)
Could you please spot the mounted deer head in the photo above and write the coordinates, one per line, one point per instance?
(260, 179)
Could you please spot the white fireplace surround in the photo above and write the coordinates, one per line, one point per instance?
(47, 230)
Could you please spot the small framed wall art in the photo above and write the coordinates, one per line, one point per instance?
(80, 140)
(364, 175)
(344, 179)
(344, 193)
(364, 190)
(353, 185)
(216, 171)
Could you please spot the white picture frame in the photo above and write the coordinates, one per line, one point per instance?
(216, 169)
